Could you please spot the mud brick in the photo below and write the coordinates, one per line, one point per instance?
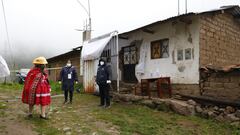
(231, 85)
(216, 85)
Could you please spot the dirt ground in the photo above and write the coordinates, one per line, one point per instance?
(10, 123)
(14, 120)
(84, 117)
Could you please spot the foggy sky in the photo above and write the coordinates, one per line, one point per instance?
(47, 27)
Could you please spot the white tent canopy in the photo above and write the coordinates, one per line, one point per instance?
(4, 70)
(94, 48)
(92, 51)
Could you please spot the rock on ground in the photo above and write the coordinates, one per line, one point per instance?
(232, 118)
(66, 129)
(191, 102)
(229, 110)
(237, 113)
(68, 133)
(199, 109)
(182, 107)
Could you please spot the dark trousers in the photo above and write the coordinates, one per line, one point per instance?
(104, 94)
(70, 95)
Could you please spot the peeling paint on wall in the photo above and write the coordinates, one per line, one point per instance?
(181, 68)
(178, 40)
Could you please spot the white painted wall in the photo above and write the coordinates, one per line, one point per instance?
(178, 39)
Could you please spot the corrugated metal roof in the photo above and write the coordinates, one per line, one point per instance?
(161, 21)
(234, 10)
(229, 68)
(63, 54)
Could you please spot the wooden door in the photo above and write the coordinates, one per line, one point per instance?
(129, 63)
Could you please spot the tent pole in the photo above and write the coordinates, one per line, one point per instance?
(117, 62)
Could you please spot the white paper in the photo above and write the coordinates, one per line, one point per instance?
(69, 76)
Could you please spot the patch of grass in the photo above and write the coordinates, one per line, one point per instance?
(2, 106)
(2, 113)
(2, 128)
(2, 109)
(141, 120)
(211, 126)
(43, 126)
(11, 86)
(132, 119)
(86, 130)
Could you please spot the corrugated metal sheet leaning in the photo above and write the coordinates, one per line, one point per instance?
(228, 68)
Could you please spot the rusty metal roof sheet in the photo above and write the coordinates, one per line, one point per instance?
(229, 68)
(233, 9)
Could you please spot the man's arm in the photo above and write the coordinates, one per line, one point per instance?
(109, 74)
(75, 74)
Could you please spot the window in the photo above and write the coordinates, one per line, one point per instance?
(160, 49)
(188, 54)
(130, 56)
(179, 55)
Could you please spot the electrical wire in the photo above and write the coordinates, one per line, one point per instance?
(83, 7)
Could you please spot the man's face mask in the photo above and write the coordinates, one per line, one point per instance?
(101, 63)
(69, 64)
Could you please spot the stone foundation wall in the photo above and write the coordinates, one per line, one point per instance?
(187, 108)
(186, 89)
(222, 86)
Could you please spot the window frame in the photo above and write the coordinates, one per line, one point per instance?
(185, 52)
(161, 50)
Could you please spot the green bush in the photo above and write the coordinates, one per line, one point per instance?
(57, 88)
(11, 86)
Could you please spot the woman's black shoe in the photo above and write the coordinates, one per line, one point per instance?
(45, 118)
(30, 116)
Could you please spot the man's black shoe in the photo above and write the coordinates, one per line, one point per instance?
(65, 102)
(107, 106)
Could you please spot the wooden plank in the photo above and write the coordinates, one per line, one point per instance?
(210, 100)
